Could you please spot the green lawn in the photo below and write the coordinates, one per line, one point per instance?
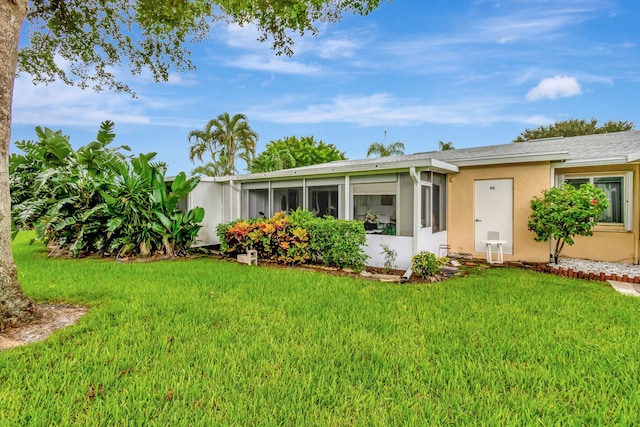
(208, 342)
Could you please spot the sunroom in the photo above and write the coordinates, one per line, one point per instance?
(402, 204)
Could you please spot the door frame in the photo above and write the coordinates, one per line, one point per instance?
(493, 211)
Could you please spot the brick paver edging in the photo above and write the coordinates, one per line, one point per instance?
(570, 272)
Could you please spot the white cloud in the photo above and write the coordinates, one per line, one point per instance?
(337, 48)
(382, 109)
(58, 104)
(555, 87)
(273, 65)
(250, 54)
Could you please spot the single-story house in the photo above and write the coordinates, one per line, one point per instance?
(449, 200)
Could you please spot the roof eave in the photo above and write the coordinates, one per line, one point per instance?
(605, 161)
(347, 169)
(554, 156)
(633, 157)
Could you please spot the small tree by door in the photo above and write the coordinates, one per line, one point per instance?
(563, 213)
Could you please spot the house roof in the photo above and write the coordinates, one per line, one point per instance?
(601, 149)
(607, 148)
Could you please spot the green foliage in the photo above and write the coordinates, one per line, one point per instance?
(223, 139)
(386, 150)
(338, 243)
(292, 152)
(90, 38)
(573, 127)
(390, 257)
(427, 264)
(96, 200)
(296, 239)
(445, 146)
(563, 213)
(275, 238)
(235, 345)
(302, 216)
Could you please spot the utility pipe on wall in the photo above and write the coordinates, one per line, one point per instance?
(416, 207)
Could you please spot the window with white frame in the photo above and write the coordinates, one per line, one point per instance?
(433, 201)
(617, 189)
(439, 207)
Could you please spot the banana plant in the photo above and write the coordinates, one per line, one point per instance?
(96, 200)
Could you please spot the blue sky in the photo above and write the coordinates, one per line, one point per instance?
(470, 72)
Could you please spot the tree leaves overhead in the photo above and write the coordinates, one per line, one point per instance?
(83, 41)
(573, 127)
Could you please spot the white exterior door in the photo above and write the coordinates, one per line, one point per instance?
(494, 212)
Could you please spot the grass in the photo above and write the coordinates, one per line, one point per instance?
(207, 342)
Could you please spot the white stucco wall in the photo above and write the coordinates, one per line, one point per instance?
(402, 245)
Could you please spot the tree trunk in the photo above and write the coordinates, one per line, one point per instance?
(15, 307)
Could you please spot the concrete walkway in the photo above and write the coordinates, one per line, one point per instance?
(625, 288)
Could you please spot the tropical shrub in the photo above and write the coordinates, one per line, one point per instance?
(297, 238)
(97, 200)
(276, 238)
(563, 213)
(427, 264)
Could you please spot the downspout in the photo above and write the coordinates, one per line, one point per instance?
(634, 214)
(416, 229)
(552, 179)
(416, 206)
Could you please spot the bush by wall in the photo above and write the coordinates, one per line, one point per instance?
(275, 238)
(427, 264)
(296, 239)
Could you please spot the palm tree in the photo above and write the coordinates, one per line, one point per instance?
(234, 137)
(384, 150)
(202, 141)
(225, 138)
(444, 146)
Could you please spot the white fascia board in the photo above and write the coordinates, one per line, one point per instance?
(211, 179)
(554, 156)
(349, 169)
(592, 162)
(443, 166)
(633, 157)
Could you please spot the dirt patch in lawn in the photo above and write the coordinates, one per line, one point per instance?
(52, 317)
